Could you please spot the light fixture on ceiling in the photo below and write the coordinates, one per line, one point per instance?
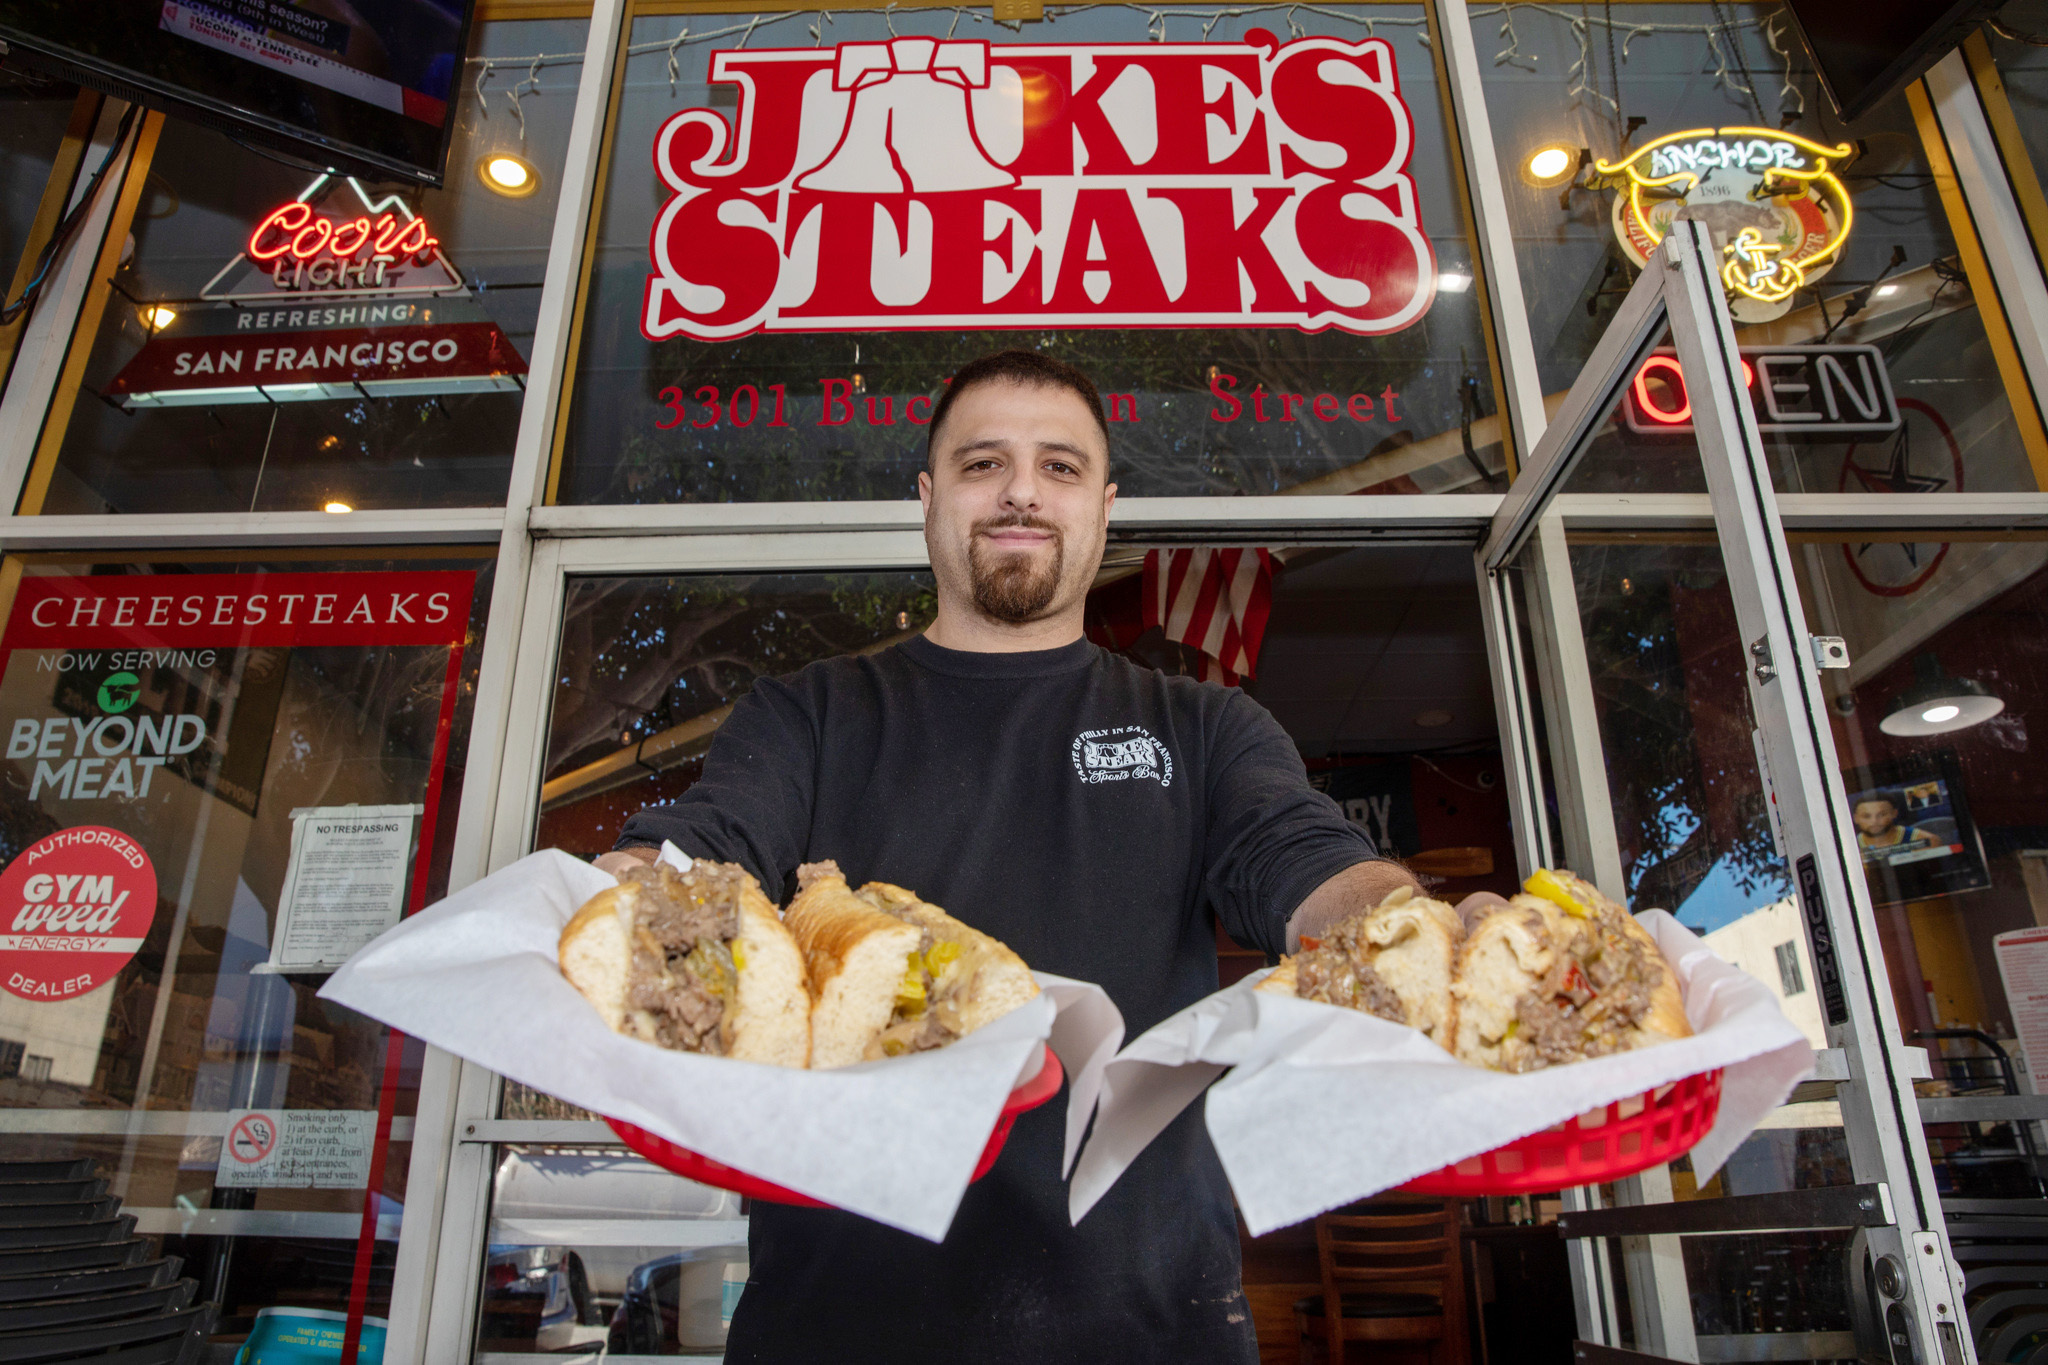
(1454, 281)
(1936, 703)
(1552, 164)
(1885, 291)
(158, 317)
(504, 173)
(1433, 719)
(338, 507)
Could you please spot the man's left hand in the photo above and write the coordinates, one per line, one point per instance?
(1355, 888)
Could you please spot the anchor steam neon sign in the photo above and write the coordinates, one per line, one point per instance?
(1771, 200)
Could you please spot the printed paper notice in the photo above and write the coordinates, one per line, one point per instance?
(345, 885)
(2023, 967)
(298, 1149)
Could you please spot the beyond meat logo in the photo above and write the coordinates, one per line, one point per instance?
(1120, 755)
(921, 183)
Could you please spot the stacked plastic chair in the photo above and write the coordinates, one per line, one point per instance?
(77, 1284)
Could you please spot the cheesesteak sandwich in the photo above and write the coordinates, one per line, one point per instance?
(1559, 974)
(893, 974)
(1393, 961)
(695, 961)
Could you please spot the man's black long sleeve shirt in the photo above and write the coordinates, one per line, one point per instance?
(1093, 814)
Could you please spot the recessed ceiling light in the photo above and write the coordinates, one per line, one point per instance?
(512, 176)
(339, 507)
(1432, 719)
(1454, 281)
(1551, 165)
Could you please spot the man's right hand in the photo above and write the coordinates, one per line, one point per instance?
(619, 860)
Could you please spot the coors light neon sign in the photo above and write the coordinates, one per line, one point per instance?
(918, 183)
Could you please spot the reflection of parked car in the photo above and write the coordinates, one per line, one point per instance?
(676, 1302)
(534, 1299)
(539, 1195)
(569, 1229)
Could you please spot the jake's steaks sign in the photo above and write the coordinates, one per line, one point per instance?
(920, 183)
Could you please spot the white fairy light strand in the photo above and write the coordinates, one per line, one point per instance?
(1773, 34)
(1720, 38)
(1157, 15)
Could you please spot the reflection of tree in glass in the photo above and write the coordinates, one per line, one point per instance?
(1649, 691)
(642, 655)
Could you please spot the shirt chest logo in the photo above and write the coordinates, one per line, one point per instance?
(1120, 755)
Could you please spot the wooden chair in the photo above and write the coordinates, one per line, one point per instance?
(1392, 1272)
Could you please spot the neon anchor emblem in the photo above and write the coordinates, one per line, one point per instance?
(1771, 200)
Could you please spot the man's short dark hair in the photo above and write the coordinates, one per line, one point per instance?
(1016, 367)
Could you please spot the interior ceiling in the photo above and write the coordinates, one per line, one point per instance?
(1363, 642)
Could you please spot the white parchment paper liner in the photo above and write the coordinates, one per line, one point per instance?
(895, 1140)
(1325, 1106)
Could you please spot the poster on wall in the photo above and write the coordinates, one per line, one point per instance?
(2023, 972)
(123, 695)
(344, 885)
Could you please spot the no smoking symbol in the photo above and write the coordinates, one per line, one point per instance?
(252, 1139)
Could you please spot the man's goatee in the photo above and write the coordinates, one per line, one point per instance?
(1010, 588)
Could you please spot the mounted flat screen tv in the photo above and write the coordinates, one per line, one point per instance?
(364, 87)
(1868, 50)
(1914, 830)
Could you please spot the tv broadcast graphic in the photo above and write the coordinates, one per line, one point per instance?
(1914, 830)
(362, 87)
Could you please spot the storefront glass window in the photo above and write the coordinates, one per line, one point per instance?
(651, 667)
(593, 1247)
(1568, 93)
(1128, 208)
(278, 340)
(33, 115)
(1948, 676)
(223, 775)
(2019, 45)
(599, 1252)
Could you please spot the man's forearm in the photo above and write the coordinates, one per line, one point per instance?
(1355, 888)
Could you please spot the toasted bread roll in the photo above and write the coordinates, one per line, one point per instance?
(1559, 974)
(969, 978)
(696, 961)
(1393, 961)
(859, 959)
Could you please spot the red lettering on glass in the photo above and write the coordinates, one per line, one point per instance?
(957, 184)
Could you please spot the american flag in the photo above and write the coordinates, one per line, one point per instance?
(1215, 601)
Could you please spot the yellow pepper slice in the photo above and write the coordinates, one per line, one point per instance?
(910, 996)
(1553, 888)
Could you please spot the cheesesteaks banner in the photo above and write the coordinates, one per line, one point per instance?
(122, 696)
(932, 183)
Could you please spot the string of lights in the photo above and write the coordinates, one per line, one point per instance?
(1721, 39)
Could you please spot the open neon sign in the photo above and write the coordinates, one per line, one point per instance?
(1794, 390)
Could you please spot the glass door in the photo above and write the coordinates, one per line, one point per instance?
(1663, 703)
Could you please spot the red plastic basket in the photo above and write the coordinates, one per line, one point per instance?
(704, 1170)
(1628, 1136)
